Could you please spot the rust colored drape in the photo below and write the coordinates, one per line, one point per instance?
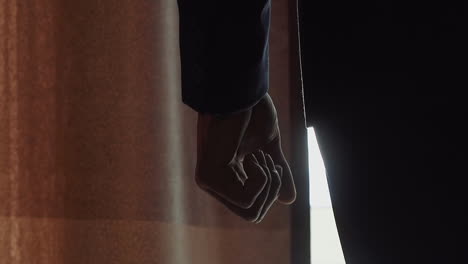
(97, 151)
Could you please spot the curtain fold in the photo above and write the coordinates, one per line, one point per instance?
(97, 151)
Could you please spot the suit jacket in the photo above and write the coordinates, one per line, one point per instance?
(224, 54)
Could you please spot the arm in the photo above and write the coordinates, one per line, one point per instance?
(224, 63)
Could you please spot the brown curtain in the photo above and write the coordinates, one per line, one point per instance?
(97, 152)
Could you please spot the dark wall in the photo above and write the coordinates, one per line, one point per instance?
(381, 50)
(383, 85)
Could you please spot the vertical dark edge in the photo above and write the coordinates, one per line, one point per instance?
(300, 211)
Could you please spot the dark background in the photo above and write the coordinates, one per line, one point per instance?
(383, 86)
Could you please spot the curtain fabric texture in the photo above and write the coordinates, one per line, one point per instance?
(97, 150)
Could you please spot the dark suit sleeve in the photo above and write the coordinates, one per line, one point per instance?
(223, 53)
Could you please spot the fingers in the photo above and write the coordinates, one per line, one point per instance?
(225, 182)
(287, 193)
(274, 189)
(252, 213)
(263, 161)
(254, 166)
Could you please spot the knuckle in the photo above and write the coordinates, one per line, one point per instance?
(246, 203)
(250, 218)
(252, 215)
(247, 200)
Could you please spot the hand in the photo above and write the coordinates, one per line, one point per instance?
(263, 133)
(246, 184)
(261, 187)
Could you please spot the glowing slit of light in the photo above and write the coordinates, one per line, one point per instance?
(325, 243)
